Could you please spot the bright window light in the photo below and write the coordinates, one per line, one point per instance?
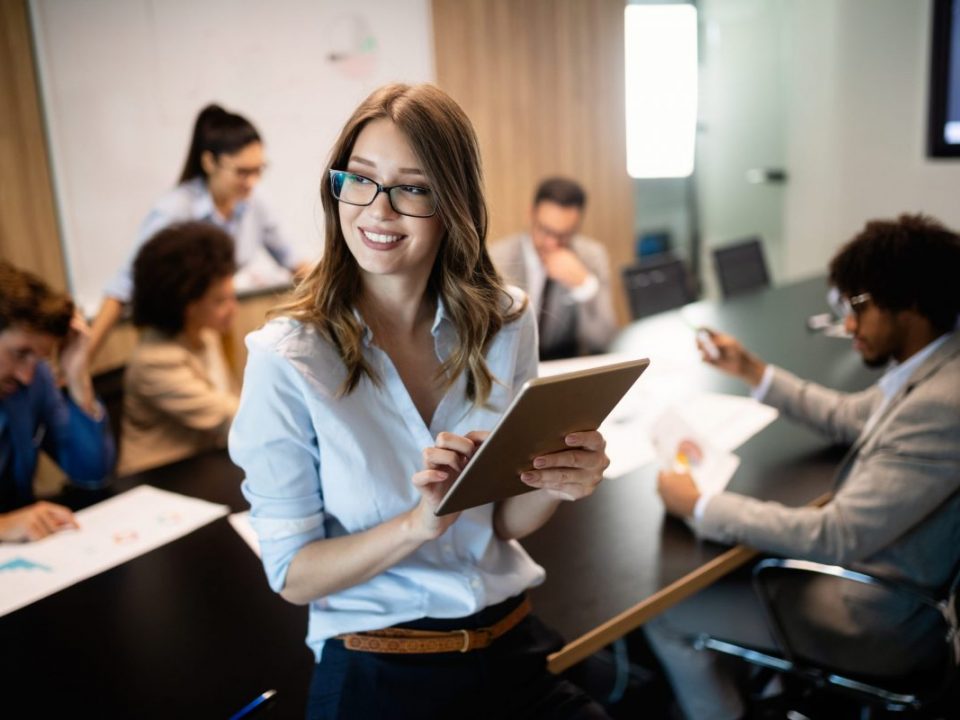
(661, 72)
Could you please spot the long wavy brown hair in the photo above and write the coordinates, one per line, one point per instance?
(463, 275)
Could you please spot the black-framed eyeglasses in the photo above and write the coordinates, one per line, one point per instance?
(844, 307)
(411, 200)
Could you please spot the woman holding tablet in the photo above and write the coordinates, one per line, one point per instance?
(362, 401)
(223, 166)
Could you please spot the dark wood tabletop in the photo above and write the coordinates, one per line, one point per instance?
(614, 560)
(191, 629)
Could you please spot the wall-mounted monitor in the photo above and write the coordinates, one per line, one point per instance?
(943, 138)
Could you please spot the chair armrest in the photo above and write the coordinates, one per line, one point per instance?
(942, 606)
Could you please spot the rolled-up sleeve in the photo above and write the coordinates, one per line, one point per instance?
(273, 440)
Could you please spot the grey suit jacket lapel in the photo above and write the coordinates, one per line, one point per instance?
(944, 354)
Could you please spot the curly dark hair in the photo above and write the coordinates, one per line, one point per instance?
(175, 267)
(27, 301)
(909, 263)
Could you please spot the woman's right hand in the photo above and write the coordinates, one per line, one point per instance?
(728, 355)
(442, 464)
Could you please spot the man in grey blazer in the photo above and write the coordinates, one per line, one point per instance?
(566, 275)
(895, 512)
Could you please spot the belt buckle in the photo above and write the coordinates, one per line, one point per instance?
(472, 639)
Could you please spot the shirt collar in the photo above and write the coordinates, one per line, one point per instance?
(441, 319)
(204, 208)
(897, 374)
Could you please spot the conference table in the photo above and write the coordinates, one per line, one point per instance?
(615, 560)
(191, 629)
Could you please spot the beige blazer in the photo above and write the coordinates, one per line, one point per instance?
(172, 408)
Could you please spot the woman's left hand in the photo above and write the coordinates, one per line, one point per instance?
(573, 473)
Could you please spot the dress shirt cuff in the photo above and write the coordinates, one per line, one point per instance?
(120, 288)
(99, 412)
(759, 392)
(701, 507)
(586, 290)
(96, 413)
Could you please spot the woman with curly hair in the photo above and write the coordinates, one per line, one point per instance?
(179, 393)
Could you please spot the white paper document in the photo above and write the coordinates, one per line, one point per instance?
(110, 533)
(680, 447)
(727, 420)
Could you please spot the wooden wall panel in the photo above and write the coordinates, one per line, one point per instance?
(543, 83)
(29, 237)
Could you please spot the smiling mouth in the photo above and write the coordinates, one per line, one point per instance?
(381, 238)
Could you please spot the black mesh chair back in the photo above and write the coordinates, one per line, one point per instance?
(741, 267)
(656, 286)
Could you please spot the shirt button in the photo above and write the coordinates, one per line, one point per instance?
(475, 583)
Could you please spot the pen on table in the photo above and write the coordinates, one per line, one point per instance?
(257, 702)
(705, 337)
(706, 340)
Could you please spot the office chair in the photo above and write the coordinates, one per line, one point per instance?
(917, 691)
(741, 267)
(656, 286)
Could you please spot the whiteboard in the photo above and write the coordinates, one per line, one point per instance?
(123, 80)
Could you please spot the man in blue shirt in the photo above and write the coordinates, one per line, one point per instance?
(37, 323)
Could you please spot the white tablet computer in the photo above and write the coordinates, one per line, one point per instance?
(542, 414)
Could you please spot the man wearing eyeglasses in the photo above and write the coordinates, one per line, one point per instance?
(896, 502)
(71, 427)
(566, 275)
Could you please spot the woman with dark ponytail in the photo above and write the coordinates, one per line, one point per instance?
(223, 166)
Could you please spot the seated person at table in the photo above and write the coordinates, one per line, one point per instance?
(37, 323)
(179, 393)
(895, 505)
(218, 184)
(566, 275)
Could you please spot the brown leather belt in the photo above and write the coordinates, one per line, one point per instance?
(401, 640)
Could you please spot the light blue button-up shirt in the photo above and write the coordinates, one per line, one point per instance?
(319, 466)
(262, 253)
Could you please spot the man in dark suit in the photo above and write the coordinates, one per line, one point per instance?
(566, 275)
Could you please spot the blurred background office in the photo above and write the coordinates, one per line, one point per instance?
(810, 117)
